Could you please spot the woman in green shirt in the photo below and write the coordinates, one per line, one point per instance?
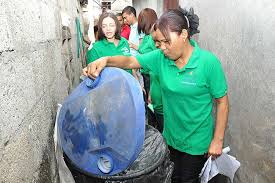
(190, 78)
(146, 20)
(109, 43)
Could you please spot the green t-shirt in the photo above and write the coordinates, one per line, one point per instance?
(105, 48)
(187, 96)
(148, 45)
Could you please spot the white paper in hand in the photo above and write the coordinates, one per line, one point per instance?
(225, 164)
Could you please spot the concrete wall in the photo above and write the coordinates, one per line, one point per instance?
(33, 81)
(156, 5)
(118, 5)
(241, 34)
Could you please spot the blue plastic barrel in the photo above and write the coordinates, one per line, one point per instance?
(102, 123)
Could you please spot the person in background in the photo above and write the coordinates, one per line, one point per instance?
(125, 29)
(146, 20)
(129, 17)
(109, 43)
(191, 80)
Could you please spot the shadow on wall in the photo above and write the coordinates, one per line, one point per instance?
(71, 69)
(67, 56)
(48, 171)
(73, 48)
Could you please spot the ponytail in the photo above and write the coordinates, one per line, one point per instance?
(192, 20)
(175, 20)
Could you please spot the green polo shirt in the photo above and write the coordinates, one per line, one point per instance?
(104, 48)
(148, 45)
(187, 96)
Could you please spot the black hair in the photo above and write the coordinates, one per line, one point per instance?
(175, 20)
(129, 10)
(95, 28)
(119, 14)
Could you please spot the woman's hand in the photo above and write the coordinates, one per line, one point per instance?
(215, 148)
(94, 68)
(131, 45)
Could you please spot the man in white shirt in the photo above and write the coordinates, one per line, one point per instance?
(129, 16)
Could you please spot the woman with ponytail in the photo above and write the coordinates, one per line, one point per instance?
(190, 78)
